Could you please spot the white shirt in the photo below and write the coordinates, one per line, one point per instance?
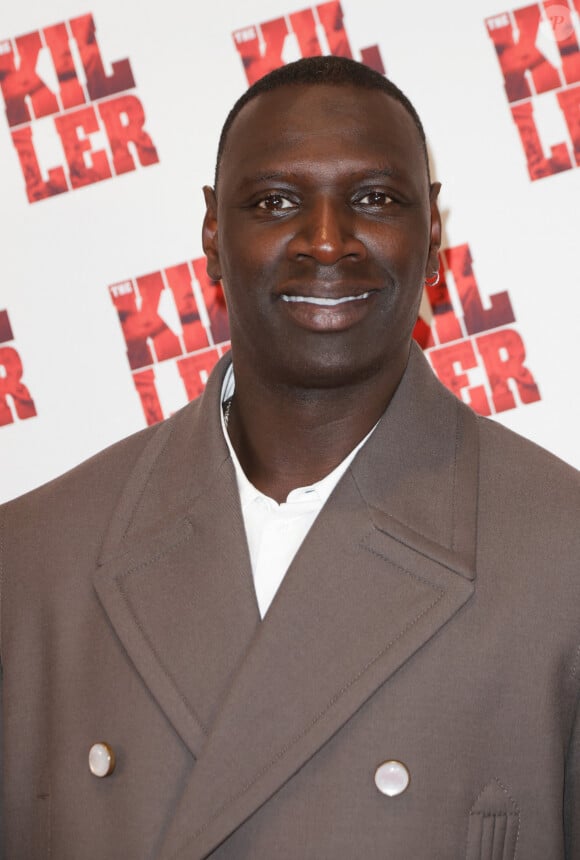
(275, 531)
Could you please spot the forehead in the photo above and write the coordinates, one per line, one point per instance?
(322, 124)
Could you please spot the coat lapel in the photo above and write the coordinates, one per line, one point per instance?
(388, 562)
(175, 577)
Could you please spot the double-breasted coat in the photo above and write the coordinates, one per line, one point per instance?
(431, 617)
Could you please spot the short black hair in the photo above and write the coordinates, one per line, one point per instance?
(327, 70)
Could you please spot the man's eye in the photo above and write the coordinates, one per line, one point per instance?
(275, 202)
(375, 198)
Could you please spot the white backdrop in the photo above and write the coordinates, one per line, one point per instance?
(61, 254)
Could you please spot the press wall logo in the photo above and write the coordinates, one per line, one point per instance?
(175, 327)
(60, 98)
(537, 49)
(473, 343)
(15, 399)
(311, 32)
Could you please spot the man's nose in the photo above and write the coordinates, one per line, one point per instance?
(326, 232)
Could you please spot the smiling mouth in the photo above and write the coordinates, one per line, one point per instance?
(324, 302)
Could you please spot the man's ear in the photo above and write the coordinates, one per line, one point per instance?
(435, 236)
(209, 234)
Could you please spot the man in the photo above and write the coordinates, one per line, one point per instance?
(325, 611)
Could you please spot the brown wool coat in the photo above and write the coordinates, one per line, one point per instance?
(431, 616)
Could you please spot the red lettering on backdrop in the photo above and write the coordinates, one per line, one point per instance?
(144, 382)
(185, 294)
(476, 317)
(84, 165)
(566, 39)
(57, 41)
(538, 164)
(99, 84)
(304, 27)
(515, 36)
(450, 363)
(262, 56)
(120, 120)
(332, 19)
(521, 55)
(5, 327)
(422, 333)
(371, 57)
(12, 388)
(37, 188)
(503, 353)
(180, 282)
(445, 326)
(195, 369)
(124, 120)
(261, 47)
(497, 357)
(19, 80)
(569, 101)
(147, 335)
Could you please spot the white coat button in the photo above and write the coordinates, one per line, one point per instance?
(101, 760)
(392, 778)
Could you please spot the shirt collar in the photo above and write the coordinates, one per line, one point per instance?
(317, 492)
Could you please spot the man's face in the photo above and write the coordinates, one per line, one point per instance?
(323, 229)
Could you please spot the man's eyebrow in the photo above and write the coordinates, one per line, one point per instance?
(272, 176)
(384, 172)
(381, 172)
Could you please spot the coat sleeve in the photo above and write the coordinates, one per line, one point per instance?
(572, 792)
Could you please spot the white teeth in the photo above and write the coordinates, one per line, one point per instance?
(316, 300)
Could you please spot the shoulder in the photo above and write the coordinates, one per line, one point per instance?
(528, 501)
(508, 460)
(93, 479)
(127, 488)
(78, 505)
(165, 447)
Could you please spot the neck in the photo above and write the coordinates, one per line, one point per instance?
(287, 437)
